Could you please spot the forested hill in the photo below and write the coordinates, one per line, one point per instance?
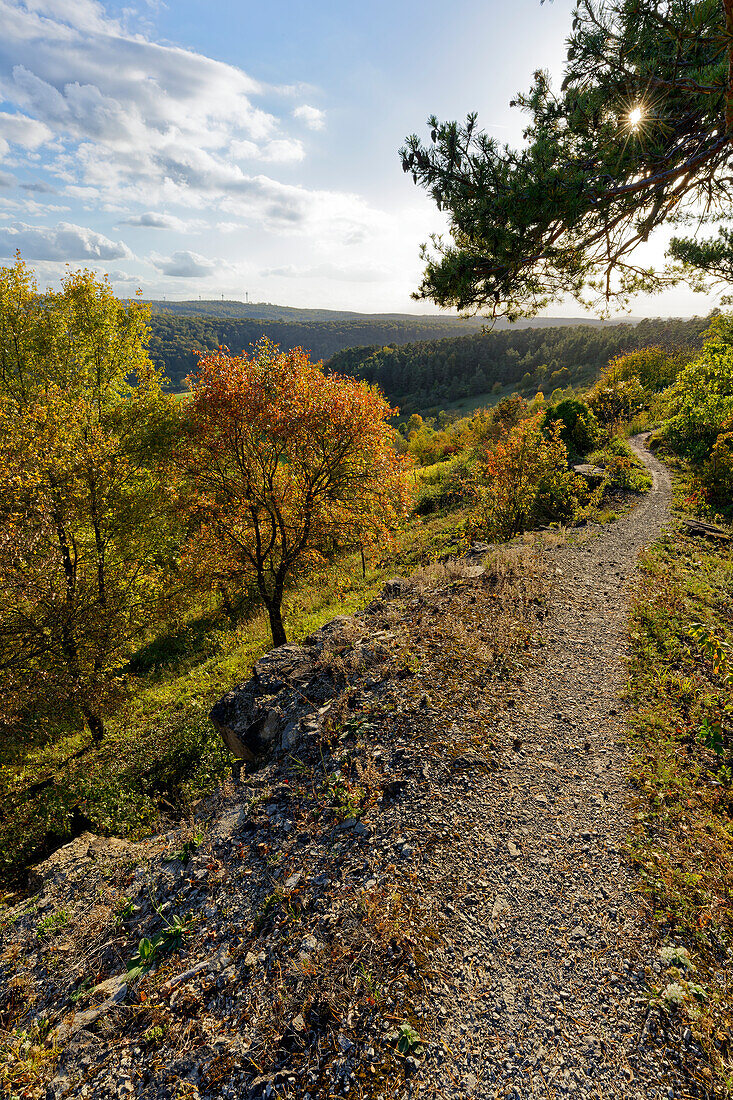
(175, 337)
(419, 376)
(181, 328)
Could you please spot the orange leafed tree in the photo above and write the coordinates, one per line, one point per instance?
(281, 462)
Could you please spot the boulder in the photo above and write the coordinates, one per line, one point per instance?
(589, 472)
(273, 709)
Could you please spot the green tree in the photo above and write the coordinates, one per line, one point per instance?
(641, 133)
(702, 400)
(86, 542)
(578, 426)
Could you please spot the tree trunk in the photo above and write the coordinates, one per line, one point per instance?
(274, 610)
(95, 724)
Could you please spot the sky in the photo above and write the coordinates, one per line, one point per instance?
(222, 148)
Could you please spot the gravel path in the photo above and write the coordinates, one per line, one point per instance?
(482, 893)
(540, 986)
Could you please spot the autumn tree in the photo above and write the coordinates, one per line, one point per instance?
(85, 541)
(281, 462)
(639, 134)
(523, 480)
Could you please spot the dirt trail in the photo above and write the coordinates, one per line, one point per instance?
(498, 829)
(543, 995)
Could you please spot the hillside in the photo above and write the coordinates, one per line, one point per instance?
(430, 374)
(416, 361)
(408, 870)
(232, 309)
(176, 336)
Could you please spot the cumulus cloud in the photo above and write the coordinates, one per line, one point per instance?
(64, 241)
(183, 265)
(130, 123)
(18, 129)
(313, 118)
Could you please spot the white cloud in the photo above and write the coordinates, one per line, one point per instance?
(18, 129)
(277, 151)
(183, 265)
(313, 118)
(153, 220)
(130, 124)
(64, 241)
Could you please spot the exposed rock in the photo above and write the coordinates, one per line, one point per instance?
(589, 472)
(68, 859)
(283, 701)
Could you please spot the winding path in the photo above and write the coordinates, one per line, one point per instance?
(542, 993)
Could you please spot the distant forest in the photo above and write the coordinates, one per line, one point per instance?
(425, 376)
(175, 337)
(420, 363)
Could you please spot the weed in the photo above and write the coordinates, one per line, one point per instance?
(187, 849)
(151, 949)
(52, 924)
(407, 1041)
(124, 910)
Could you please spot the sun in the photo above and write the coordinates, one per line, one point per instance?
(635, 116)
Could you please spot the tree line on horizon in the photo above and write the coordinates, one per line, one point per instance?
(433, 373)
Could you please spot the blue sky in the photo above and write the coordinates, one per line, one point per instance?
(206, 148)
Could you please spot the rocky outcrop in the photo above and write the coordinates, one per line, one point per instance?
(74, 859)
(591, 473)
(288, 692)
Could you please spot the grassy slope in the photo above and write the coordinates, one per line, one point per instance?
(161, 753)
(683, 839)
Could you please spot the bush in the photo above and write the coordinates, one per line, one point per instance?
(702, 401)
(615, 401)
(524, 481)
(717, 474)
(442, 488)
(653, 367)
(579, 429)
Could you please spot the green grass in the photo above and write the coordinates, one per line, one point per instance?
(682, 844)
(161, 753)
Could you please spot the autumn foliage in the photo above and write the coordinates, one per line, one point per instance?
(523, 480)
(283, 464)
(83, 538)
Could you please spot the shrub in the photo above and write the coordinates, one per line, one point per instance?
(579, 428)
(717, 474)
(614, 401)
(653, 367)
(702, 401)
(524, 481)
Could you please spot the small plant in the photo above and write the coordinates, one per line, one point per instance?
(151, 949)
(81, 991)
(712, 732)
(676, 956)
(125, 909)
(187, 849)
(407, 1041)
(154, 1034)
(370, 983)
(673, 996)
(52, 924)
